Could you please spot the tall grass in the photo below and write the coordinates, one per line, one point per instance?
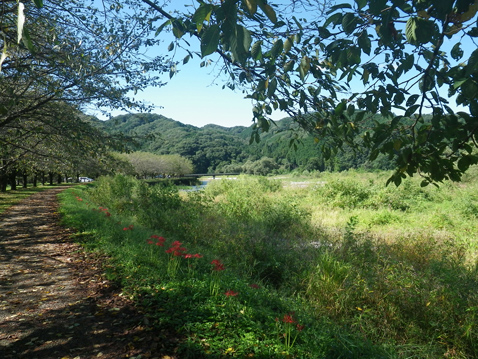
(358, 262)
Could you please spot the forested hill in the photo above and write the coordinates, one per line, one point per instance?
(214, 148)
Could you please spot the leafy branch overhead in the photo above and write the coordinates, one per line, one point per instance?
(332, 67)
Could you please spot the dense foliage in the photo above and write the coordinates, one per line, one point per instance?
(218, 149)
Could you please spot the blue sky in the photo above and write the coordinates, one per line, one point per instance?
(195, 96)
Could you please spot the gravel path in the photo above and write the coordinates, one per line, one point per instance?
(54, 301)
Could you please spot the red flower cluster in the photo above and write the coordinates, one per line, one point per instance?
(159, 240)
(176, 249)
(129, 228)
(104, 210)
(197, 255)
(289, 318)
(218, 266)
(231, 293)
(79, 199)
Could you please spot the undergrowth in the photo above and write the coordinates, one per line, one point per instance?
(345, 268)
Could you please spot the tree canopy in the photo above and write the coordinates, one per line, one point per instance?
(58, 58)
(332, 67)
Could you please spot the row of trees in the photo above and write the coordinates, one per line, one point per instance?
(148, 165)
(60, 58)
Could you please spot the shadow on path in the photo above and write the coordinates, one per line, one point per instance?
(54, 302)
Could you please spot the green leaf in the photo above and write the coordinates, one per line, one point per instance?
(289, 66)
(203, 13)
(240, 43)
(27, 41)
(411, 100)
(256, 50)
(210, 40)
(411, 110)
(288, 45)
(339, 110)
(334, 19)
(272, 87)
(304, 67)
(277, 48)
(456, 52)
(419, 31)
(269, 11)
(349, 23)
(178, 30)
(162, 26)
(472, 65)
(464, 163)
(38, 3)
(251, 6)
(469, 89)
(171, 46)
(186, 59)
(364, 43)
(338, 7)
(361, 4)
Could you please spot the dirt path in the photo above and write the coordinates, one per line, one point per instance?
(54, 302)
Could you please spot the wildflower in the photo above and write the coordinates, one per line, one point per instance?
(176, 249)
(218, 266)
(231, 293)
(300, 327)
(159, 240)
(288, 318)
(130, 227)
(255, 286)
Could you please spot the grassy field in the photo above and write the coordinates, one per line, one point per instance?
(323, 266)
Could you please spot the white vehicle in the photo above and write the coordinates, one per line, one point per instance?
(85, 179)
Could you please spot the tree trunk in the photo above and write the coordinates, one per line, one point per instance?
(35, 180)
(25, 179)
(13, 180)
(50, 174)
(59, 179)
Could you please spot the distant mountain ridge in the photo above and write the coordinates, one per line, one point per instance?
(215, 148)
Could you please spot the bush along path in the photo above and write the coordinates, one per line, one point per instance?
(54, 300)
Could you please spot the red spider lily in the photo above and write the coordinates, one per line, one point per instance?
(130, 227)
(79, 199)
(288, 318)
(255, 286)
(176, 249)
(197, 255)
(160, 240)
(108, 214)
(218, 266)
(231, 293)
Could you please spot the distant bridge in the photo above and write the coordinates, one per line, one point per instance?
(211, 174)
